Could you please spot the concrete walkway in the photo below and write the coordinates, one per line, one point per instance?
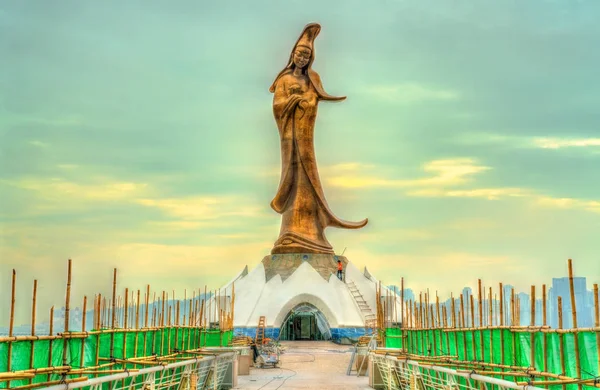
(304, 365)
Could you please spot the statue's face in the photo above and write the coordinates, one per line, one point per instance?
(301, 56)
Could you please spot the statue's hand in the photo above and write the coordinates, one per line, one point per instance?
(291, 102)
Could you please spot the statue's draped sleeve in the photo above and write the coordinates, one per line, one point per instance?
(284, 109)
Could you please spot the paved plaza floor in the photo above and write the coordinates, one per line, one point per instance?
(304, 365)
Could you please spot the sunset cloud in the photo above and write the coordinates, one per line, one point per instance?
(204, 207)
(558, 143)
(97, 189)
(443, 173)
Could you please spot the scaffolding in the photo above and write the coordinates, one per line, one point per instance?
(474, 336)
(127, 336)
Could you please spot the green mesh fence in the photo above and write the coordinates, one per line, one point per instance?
(96, 349)
(506, 347)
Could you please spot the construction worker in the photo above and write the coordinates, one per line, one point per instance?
(340, 269)
(255, 352)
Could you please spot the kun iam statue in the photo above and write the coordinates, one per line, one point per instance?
(300, 198)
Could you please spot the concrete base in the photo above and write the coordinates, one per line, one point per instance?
(245, 361)
(284, 265)
(362, 364)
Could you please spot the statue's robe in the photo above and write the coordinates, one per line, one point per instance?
(300, 198)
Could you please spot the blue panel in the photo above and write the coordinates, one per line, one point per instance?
(351, 333)
(273, 333)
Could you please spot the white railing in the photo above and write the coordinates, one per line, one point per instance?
(203, 372)
(402, 374)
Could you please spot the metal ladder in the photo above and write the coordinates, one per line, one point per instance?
(370, 317)
(260, 331)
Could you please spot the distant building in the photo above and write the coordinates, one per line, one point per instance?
(561, 288)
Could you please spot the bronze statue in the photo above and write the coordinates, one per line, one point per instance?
(300, 198)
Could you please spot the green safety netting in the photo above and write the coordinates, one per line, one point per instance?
(507, 347)
(124, 345)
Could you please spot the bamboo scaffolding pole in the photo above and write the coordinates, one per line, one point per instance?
(502, 323)
(14, 376)
(597, 322)
(437, 309)
(491, 309)
(473, 344)
(513, 319)
(49, 342)
(11, 322)
(561, 338)
(574, 316)
(102, 314)
(125, 322)
(51, 383)
(67, 304)
(177, 324)
(32, 346)
(402, 323)
(420, 323)
(532, 323)
(154, 333)
(463, 323)
(434, 332)
(113, 313)
(462, 316)
(426, 324)
(97, 355)
(97, 310)
(169, 328)
(36, 371)
(82, 360)
(154, 310)
(416, 319)
(480, 309)
(423, 320)
(162, 323)
(588, 382)
(137, 323)
(146, 311)
(204, 323)
(163, 310)
(479, 304)
(490, 323)
(117, 371)
(453, 319)
(544, 323)
(445, 314)
(185, 307)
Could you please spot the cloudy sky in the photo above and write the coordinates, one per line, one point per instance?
(139, 135)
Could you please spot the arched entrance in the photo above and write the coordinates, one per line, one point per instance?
(305, 322)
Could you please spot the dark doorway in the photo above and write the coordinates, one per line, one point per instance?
(305, 322)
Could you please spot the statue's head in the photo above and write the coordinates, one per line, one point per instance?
(301, 56)
(303, 53)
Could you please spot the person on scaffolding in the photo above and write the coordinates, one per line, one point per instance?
(340, 269)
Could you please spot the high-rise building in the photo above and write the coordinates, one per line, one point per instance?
(561, 288)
